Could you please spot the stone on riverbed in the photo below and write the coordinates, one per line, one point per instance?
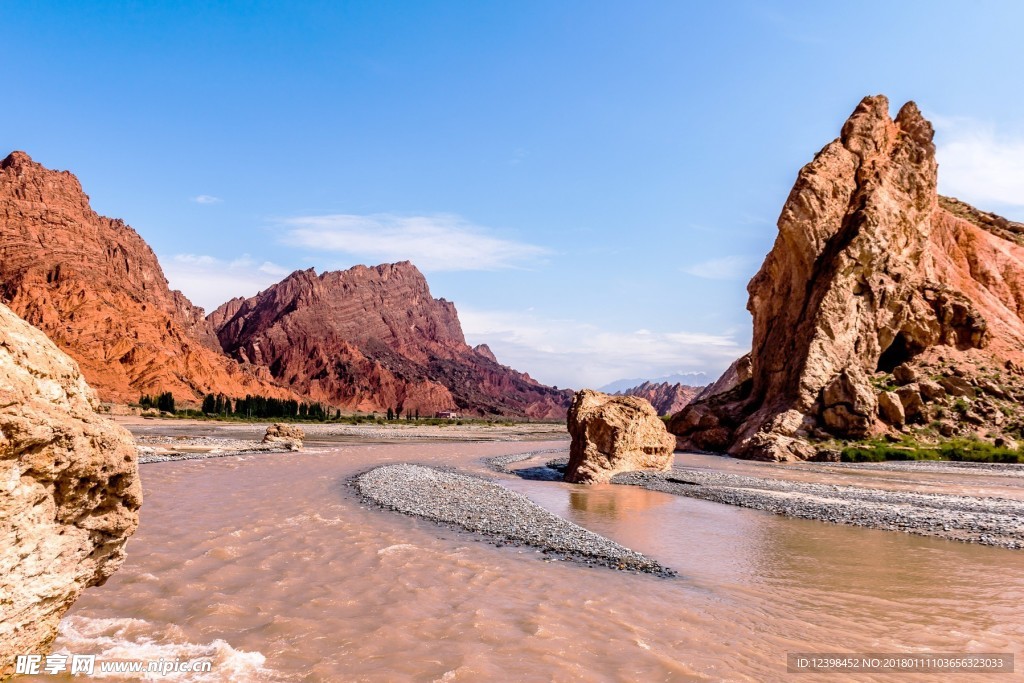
(613, 434)
(289, 436)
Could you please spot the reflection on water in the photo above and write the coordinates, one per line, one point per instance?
(271, 565)
(613, 502)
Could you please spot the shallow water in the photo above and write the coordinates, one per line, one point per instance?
(270, 566)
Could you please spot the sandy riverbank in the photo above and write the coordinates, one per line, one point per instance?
(161, 440)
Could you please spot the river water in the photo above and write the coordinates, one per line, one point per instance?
(270, 566)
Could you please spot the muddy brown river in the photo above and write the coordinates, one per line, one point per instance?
(271, 567)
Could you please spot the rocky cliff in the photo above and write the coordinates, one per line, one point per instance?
(666, 398)
(882, 308)
(370, 339)
(96, 289)
(71, 489)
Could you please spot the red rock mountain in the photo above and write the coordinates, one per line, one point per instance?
(369, 339)
(666, 398)
(881, 309)
(96, 289)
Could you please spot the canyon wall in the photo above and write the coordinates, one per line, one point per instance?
(882, 308)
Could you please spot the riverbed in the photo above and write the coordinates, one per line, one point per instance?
(271, 566)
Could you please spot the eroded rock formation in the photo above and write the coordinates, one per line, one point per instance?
(96, 289)
(612, 434)
(288, 436)
(666, 398)
(872, 271)
(71, 490)
(370, 339)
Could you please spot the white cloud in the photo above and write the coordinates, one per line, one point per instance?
(210, 281)
(569, 353)
(206, 199)
(979, 165)
(724, 268)
(433, 243)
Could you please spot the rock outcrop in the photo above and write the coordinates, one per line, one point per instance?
(71, 491)
(666, 398)
(96, 289)
(872, 271)
(612, 434)
(285, 435)
(370, 339)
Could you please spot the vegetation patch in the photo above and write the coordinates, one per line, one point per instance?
(959, 450)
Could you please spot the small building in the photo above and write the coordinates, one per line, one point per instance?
(447, 414)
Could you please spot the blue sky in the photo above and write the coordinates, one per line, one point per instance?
(592, 183)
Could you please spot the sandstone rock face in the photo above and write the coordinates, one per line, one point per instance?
(96, 289)
(872, 273)
(71, 489)
(666, 398)
(612, 434)
(288, 436)
(890, 408)
(370, 339)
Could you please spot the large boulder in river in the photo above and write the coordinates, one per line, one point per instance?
(70, 494)
(612, 434)
(288, 436)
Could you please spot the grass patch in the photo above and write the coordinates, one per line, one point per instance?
(958, 450)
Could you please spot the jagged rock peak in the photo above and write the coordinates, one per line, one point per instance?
(371, 338)
(868, 272)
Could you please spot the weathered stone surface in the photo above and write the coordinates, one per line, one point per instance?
(931, 391)
(956, 386)
(71, 490)
(96, 289)
(913, 404)
(905, 374)
(890, 408)
(873, 275)
(288, 436)
(612, 434)
(848, 404)
(370, 339)
(666, 398)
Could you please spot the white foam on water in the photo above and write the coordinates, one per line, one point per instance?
(136, 639)
(396, 548)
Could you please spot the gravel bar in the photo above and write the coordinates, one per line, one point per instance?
(502, 516)
(500, 463)
(988, 521)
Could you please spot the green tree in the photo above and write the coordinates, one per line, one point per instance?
(391, 414)
(165, 402)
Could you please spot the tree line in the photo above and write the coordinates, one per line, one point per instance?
(256, 406)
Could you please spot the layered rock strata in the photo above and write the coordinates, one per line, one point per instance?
(877, 296)
(71, 491)
(370, 339)
(613, 434)
(96, 289)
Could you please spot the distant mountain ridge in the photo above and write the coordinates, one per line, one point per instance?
(666, 398)
(693, 379)
(365, 339)
(373, 338)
